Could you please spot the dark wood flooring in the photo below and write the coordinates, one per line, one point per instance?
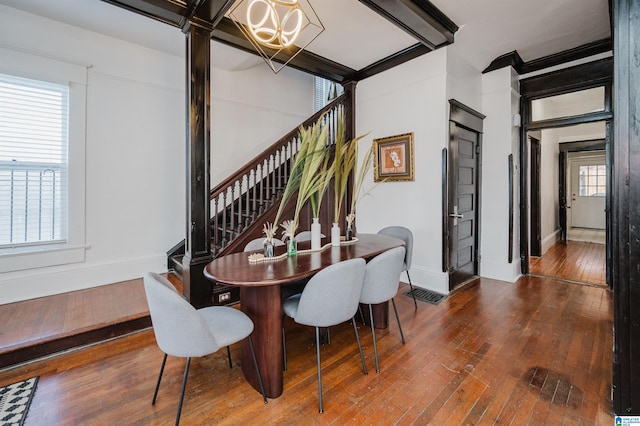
(534, 352)
(573, 260)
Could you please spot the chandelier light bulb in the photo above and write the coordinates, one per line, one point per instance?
(275, 23)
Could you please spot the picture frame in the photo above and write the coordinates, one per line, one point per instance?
(393, 158)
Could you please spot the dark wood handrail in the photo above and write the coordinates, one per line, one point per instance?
(277, 146)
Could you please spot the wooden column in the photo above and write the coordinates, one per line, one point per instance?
(196, 287)
(626, 208)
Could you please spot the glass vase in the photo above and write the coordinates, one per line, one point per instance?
(292, 247)
(348, 234)
(268, 248)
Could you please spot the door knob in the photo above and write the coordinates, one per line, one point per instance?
(455, 215)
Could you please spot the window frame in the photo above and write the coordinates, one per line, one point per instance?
(32, 66)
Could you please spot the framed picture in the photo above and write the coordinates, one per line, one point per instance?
(393, 158)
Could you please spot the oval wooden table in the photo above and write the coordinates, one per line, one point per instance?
(260, 296)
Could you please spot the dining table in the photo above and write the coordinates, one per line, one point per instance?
(261, 283)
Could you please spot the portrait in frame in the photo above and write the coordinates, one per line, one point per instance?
(393, 158)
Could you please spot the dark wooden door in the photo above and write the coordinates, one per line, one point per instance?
(562, 178)
(463, 201)
(534, 190)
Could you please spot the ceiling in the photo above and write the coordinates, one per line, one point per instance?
(356, 36)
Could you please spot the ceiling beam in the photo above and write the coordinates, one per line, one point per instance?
(419, 18)
(514, 60)
(228, 33)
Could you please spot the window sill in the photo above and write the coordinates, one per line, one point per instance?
(12, 260)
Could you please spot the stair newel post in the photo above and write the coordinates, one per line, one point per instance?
(196, 288)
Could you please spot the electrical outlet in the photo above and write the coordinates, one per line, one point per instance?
(224, 297)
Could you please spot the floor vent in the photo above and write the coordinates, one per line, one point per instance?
(426, 295)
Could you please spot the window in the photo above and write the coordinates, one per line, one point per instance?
(33, 161)
(593, 180)
(324, 92)
(43, 104)
(568, 104)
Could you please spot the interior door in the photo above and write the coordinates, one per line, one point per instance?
(462, 206)
(588, 192)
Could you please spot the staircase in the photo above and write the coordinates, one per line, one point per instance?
(241, 204)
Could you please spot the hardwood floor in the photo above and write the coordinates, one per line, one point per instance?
(574, 260)
(534, 352)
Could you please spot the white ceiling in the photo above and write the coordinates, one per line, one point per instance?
(355, 36)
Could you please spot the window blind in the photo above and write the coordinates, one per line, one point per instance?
(33, 161)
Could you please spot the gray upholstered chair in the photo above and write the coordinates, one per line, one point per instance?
(381, 281)
(183, 331)
(305, 236)
(405, 235)
(329, 298)
(258, 244)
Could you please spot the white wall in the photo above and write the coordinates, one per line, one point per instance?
(135, 145)
(409, 98)
(266, 105)
(501, 138)
(549, 194)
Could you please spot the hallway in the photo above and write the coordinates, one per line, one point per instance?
(579, 261)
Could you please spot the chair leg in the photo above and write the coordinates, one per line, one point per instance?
(284, 350)
(319, 373)
(373, 335)
(364, 366)
(184, 385)
(412, 293)
(398, 319)
(229, 356)
(155, 394)
(255, 363)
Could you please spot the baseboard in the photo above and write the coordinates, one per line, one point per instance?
(31, 284)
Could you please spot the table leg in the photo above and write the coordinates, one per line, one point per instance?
(264, 306)
(380, 314)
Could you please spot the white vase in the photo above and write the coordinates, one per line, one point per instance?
(335, 235)
(315, 234)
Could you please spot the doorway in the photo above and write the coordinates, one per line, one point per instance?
(554, 105)
(567, 201)
(462, 206)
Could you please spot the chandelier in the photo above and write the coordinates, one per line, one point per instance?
(278, 29)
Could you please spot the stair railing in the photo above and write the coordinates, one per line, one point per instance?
(238, 201)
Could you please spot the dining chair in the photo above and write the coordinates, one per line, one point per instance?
(330, 297)
(381, 281)
(184, 331)
(405, 235)
(258, 244)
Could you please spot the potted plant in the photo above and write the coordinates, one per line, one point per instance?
(305, 177)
